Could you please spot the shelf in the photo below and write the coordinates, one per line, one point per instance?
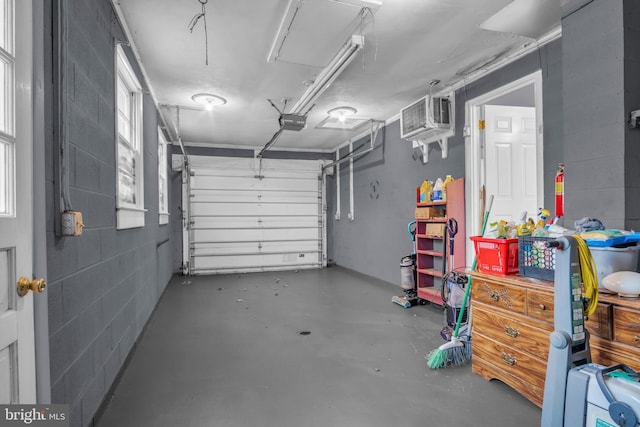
(436, 220)
(431, 249)
(431, 294)
(429, 204)
(432, 253)
(429, 236)
(430, 272)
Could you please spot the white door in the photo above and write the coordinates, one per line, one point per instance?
(511, 161)
(246, 216)
(17, 356)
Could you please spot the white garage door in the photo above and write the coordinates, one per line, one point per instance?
(247, 217)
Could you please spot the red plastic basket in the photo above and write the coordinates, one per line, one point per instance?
(496, 256)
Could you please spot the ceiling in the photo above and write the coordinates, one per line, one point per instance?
(407, 44)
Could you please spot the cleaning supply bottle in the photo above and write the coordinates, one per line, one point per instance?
(425, 190)
(437, 190)
(447, 180)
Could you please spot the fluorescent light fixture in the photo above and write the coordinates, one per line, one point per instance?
(341, 113)
(338, 63)
(295, 12)
(208, 100)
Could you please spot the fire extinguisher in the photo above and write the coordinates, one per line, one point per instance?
(560, 190)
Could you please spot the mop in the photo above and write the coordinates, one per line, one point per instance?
(452, 290)
(457, 351)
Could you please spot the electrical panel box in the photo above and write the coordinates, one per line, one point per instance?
(72, 223)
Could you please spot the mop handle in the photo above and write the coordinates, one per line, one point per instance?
(452, 227)
(473, 267)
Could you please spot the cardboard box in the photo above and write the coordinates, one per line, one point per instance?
(435, 229)
(429, 212)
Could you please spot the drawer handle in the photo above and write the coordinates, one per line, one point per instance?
(637, 338)
(494, 295)
(509, 359)
(542, 307)
(512, 332)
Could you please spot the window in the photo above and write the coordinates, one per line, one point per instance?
(130, 175)
(163, 184)
(7, 109)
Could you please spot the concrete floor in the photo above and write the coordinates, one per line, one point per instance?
(228, 351)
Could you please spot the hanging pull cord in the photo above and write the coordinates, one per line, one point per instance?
(193, 23)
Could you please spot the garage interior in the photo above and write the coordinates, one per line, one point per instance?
(223, 195)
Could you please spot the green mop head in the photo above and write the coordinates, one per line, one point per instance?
(456, 352)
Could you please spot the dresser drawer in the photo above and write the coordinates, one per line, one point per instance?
(488, 371)
(608, 356)
(526, 336)
(540, 305)
(599, 323)
(522, 365)
(626, 325)
(499, 295)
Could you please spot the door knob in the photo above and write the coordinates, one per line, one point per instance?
(25, 285)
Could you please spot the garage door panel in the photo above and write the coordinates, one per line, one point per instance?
(208, 183)
(256, 235)
(248, 263)
(249, 248)
(276, 197)
(254, 222)
(244, 220)
(231, 209)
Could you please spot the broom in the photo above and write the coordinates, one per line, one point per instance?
(457, 352)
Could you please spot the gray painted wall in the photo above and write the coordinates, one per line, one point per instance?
(594, 113)
(377, 239)
(631, 18)
(524, 97)
(601, 152)
(103, 285)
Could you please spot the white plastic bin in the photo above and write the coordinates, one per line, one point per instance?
(609, 260)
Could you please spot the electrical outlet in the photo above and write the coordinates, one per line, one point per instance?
(72, 223)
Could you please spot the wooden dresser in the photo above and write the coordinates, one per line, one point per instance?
(512, 318)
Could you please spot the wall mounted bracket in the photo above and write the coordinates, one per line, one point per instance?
(423, 145)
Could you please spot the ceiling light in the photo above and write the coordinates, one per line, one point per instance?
(208, 100)
(341, 113)
(331, 72)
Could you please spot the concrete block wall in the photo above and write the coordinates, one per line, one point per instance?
(594, 113)
(631, 25)
(377, 239)
(103, 285)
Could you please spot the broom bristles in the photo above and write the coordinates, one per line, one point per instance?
(457, 352)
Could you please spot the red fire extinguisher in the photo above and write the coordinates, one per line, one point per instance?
(560, 190)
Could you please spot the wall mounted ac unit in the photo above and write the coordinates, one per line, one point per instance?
(425, 115)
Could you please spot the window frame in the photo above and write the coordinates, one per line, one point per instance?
(129, 214)
(163, 180)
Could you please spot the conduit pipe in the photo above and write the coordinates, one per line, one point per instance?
(351, 214)
(351, 155)
(337, 216)
(375, 126)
